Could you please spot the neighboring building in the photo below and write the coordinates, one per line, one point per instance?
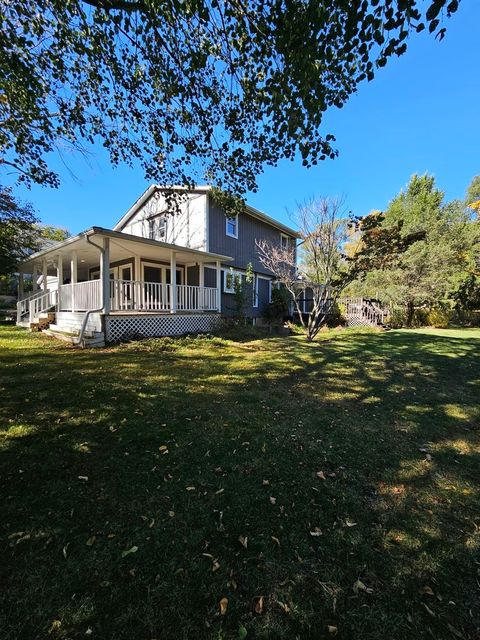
(161, 270)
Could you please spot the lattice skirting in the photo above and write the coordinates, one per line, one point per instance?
(128, 327)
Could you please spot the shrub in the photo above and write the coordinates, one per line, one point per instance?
(278, 308)
(439, 317)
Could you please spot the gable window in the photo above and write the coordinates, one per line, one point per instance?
(231, 228)
(284, 241)
(229, 279)
(157, 227)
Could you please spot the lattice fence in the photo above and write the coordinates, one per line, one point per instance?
(125, 327)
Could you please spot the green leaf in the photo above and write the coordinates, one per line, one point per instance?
(127, 552)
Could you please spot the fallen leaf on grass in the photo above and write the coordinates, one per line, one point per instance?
(258, 604)
(91, 541)
(55, 626)
(216, 566)
(84, 478)
(273, 500)
(276, 540)
(350, 523)
(358, 585)
(283, 606)
(64, 550)
(163, 448)
(426, 591)
(190, 488)
(243, 541)
(321, 475)
(127, 552)
(223, 606)
(171, 514)
(316, 532)
(332, 629)
(265, 483)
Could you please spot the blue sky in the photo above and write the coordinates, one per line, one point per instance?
(420, 114)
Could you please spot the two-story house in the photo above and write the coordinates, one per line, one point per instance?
(162, 270)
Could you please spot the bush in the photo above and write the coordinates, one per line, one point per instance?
(440, 317)
(336, 316)
(278, 308)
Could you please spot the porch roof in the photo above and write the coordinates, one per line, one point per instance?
(122, 246)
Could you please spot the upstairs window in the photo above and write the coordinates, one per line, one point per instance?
(157, 227)
(231, 227)
(284, 242)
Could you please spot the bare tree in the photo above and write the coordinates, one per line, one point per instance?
(324, 228)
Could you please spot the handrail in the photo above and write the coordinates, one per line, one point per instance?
(23, 305)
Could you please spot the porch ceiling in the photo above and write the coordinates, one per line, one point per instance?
(122, 246)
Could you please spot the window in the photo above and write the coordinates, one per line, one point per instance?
(229, 278)
(231, 228)
(284, 241)
(157, 227)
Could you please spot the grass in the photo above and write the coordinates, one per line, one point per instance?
(325, 490)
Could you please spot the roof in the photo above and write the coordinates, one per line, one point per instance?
(256, 213)
(81, 238)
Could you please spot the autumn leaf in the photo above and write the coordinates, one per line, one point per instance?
(190, 488)
(332, 629)
(91, 541)
(283, 606)
(55, 626)
(273, 500)
(243, 541)
(316, 532)
(258, 605)
(266, 483)
(163, 448)
(215, 566)
(276, 540)
(426, 591)
(223, 606)
(350, 523)
(358, 585)
(321, 475)
(127, 552)
(84, 478)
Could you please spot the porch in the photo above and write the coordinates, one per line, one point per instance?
(107, 273)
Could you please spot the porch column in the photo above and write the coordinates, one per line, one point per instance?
(105, 275)
(173, 282)
(218, 265)
(73, 275)
(44, 274)
(35, 278)
(20, 292)
(201, 284)
(60, 280)
(137, 288)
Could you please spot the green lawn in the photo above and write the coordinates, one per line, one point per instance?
(326, 489)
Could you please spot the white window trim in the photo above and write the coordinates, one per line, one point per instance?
(231, 235)
(226, 273)
(283, 236)
(255, 291)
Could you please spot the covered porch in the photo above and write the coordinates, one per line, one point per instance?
(110, 272)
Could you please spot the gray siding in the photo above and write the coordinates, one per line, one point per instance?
(242, 249)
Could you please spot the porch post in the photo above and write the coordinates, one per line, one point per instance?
(35, 278)
(44, 274)
(201, 284)
(219, 285)
(105, 275)
(137, 288)
(73, 275)
(173, 282)
(60, 280)
(20, 285)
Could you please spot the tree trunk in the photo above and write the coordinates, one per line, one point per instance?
(409, 313)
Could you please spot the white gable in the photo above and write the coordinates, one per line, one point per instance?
(153, 219)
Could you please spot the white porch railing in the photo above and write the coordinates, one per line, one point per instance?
(129, 295)
(36, 304)
(136, 295)
(82, 296)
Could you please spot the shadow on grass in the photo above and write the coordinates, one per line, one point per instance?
(177, 453)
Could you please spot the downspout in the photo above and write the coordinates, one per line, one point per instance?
(80, 341)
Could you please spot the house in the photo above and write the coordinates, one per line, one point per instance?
(162, 270)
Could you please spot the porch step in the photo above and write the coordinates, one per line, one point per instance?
(90, 339)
